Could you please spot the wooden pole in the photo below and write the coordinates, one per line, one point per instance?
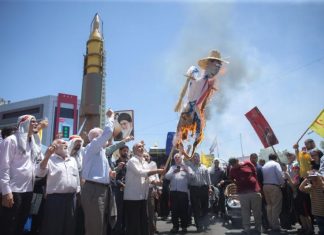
(273, 149)
(170, 156)
(168, 161)
(177, 108)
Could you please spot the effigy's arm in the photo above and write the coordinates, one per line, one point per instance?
(177, 108)
(183, 152)
(192, 74)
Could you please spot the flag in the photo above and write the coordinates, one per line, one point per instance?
(318, 125)
(40, 133)
(169, 140)
(261, 127)
(206, 159)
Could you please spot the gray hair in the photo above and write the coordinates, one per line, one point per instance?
(93, 133)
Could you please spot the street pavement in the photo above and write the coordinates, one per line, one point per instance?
(216, 226)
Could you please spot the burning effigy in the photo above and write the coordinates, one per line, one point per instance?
(198, 89)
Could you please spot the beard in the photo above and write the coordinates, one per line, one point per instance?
(62, 152)
(77, 148)
(127, 132)
(124, 156)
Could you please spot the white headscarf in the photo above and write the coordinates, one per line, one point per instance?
(72, 140)
(181, 157)
(78, 156)
(22, 137)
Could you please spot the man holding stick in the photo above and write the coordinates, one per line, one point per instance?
(136, 192)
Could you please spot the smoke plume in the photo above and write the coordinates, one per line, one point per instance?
(209, 26)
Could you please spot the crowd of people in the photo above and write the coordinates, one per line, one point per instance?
(77, 189)
(279, 194)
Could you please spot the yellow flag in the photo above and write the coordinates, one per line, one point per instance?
(207, 160)
(40, 133)
(318, 125)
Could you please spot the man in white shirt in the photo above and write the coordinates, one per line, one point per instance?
(136, 192)
(5, 132)
(200, 187)
(152, 194)
(76, 150)
(272, 181)
(291, 158)
(179, 175)
(18, 160)
(63, 183)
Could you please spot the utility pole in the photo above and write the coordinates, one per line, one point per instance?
(241, 145)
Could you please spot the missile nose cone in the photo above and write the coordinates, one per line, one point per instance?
(96, 21)
(96, 27)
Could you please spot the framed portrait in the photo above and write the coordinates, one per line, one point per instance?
(124, 124)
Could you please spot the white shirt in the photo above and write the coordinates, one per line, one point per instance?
(62, 175)
(201, 175)
(272, 173)
(321, 169)
(17, 169)
(152, 166)
(289, 169)
(137, 183)
(197, 87)
(179, 181)
(78, 158)
(1, 156)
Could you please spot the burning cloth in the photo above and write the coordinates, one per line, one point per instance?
(199, 88)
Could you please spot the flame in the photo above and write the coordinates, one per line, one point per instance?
(188, 129)
(187, 126)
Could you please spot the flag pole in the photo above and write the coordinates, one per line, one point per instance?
(241, 145)
(304, 133)
(168, 161)
(217, 148)
(273, 149)
(170, 156)
(309, 127)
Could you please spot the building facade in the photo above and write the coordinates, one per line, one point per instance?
(61, 111)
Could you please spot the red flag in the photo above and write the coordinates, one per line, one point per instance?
(261, 127)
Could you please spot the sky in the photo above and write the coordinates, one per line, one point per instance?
(275, 49)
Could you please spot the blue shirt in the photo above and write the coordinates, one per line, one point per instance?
(95, 166)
